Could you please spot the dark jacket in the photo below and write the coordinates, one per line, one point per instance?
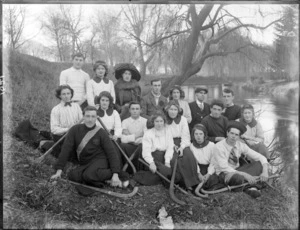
(216, 127)
(197, 113)
(232, 113)
(99, 146)
(149, 106)
(127, 91)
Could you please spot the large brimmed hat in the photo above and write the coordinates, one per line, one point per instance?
(201, 88)
(121, 67)
(238, 125)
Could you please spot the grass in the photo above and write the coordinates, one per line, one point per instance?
(31, 202)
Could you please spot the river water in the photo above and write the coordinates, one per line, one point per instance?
(279, 119)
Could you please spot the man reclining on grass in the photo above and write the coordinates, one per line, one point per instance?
(226, 161)
(95, 152)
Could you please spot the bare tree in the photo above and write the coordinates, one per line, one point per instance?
(149, 26)
(107, 26)
(198, 49)
(14, 26)
(73, 25)
(55, 25)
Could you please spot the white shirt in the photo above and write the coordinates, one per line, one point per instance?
(186, 110)
(64, 117)
(156, 97)
(94, 89)
(112, 122)
(181, 130)
(136, 127)
(200, 104)
(222, 153)
(157, 140)
(204, 156)
(77, 80)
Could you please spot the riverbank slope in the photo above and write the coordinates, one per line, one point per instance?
(30, 201)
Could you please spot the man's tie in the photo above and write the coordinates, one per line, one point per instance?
(233, 156)
(68, 103)
(201, 106)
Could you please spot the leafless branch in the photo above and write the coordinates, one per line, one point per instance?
(216, 40)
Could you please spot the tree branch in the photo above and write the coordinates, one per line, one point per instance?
(212, 23)
(216, 40)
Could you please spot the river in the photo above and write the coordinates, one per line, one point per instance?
(279, 119)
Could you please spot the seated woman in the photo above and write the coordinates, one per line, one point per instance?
(108, 115)
(127, 87)
(99, 83)
(177, 94)
(64, 115)
(178, 127)
(202, 150)
(254, 136)
(110, 118)
(157, 150)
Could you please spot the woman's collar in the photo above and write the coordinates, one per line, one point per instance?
(102, 112)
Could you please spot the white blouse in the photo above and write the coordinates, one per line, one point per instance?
(186, 110)
(204, 156)
(157, 140)
(181, 130)
(112, 122)
(64, 117)
(94, 89)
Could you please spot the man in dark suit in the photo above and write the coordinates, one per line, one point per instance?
(199, 109)
(153, 101)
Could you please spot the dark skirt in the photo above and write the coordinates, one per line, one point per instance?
(146, 177)
(213, 182)
(129, 150)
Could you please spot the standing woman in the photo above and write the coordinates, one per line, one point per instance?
(157, 150)
(254, 136)
(99, 83)
(177, 94)
(127, 87)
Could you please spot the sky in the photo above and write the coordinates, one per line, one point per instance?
(35, 12)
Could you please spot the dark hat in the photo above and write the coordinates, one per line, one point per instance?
(121, 67)
(201, 88)
(238, 125)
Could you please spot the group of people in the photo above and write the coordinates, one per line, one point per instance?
(219, 143)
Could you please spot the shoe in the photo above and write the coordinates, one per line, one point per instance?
(253, 192)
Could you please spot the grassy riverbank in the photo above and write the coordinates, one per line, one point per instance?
(30, 202)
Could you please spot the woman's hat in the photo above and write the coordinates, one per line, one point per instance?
(121, 67)
(238, 125)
